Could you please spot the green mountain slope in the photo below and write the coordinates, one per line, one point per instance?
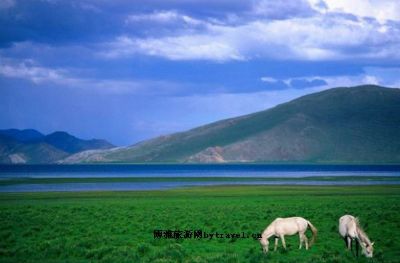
(340, 125)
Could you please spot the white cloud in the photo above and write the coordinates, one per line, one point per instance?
(321, 37)
(28, 70)
(175, 48)
(269, 79)
(381, 10)
(367, 79)
(39, 75)
(388, 77)
(383, 76)
(166, 16)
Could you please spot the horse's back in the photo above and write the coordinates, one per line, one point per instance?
(295, 219)
(300, 219)
(347, 226)
(290, 225)
(346, 217)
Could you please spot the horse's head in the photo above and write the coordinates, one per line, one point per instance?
(367, 249)
(264, 243)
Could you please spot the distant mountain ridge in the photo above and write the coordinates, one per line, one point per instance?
(27, 135)
(31, 146)
(341, 125)
(72, 144)
(351, 125)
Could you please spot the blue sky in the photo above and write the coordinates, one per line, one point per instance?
(131, 70)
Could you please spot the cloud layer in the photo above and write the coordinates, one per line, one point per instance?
(154, 67)
(298, 31)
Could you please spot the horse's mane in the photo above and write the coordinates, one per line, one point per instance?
(360, 231)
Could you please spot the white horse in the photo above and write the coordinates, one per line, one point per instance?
(287, 226)
(349, 229)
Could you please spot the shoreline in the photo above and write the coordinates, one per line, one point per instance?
(55, 180)
(156, 184)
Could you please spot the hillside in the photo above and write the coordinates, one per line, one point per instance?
(72, 144)
(341, 125)
(30, 146)
(19, 152)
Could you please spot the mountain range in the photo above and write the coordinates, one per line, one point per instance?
(31, 146)
(348, 125)
(341, 125)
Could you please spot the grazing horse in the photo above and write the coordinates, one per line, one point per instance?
(349, 229)
(287, 226)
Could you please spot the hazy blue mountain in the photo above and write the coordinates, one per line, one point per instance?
(30, 146)
(71, 144)
(27, 135)
(17, 152)
(341, 125)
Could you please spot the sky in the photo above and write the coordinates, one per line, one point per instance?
(127, 71)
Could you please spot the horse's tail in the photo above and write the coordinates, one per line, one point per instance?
(314, 233)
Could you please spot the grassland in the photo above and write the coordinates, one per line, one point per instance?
(118, 226)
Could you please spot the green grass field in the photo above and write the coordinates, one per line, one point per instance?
(118, 226)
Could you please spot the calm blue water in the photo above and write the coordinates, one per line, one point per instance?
(208, 170)
(75, 187)
(267, 171)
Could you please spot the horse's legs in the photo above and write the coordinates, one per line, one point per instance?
(349, 243)
(305, 241)
(357, 245)
(345, 241)
(283, 241)
(276, 243)
(301, 240)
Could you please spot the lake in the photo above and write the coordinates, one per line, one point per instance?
(14, 177)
